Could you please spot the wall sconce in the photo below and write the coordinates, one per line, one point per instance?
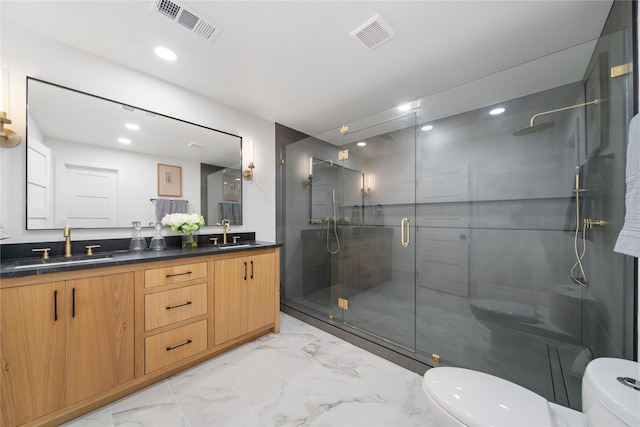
(366, 191)
(248, 173)
(307, 182)
(8, 138)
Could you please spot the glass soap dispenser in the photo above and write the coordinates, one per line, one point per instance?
(137, 241)
(157, 242)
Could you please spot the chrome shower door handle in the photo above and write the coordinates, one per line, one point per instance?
(405, 224)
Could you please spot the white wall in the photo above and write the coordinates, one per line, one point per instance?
(27, 54)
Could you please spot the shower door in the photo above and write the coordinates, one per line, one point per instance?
(378, 250)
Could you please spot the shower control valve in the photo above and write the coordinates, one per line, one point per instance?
(590, 223)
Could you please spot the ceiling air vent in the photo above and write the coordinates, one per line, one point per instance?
(373, 33)
(188, 18)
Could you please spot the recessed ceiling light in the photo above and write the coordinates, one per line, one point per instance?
(426, 127)
(166, 54)
(124, 141)
(361, 144)
(132, 126)
(497, 111)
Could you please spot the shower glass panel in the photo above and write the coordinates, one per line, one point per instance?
(448, 237)
(498, 284)
(378, 257)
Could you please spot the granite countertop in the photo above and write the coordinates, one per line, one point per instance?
(21, 267)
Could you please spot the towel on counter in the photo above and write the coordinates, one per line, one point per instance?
(628, 241)
(168, 206)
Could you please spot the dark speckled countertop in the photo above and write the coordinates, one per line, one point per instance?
(14, 266)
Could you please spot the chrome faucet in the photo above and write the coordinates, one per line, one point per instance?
(226, 226)
(67, 241)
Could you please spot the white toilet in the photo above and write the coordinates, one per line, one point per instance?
(463, 397)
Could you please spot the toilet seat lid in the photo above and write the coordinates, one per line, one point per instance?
(479, 399)
(601, 380)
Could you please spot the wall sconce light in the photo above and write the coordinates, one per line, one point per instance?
(248, 173)
(366, 191)
(307, 182)
(8, 138)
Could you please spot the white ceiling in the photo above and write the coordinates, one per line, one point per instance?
(294, 62)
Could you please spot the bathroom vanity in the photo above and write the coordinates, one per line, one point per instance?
(78, 336)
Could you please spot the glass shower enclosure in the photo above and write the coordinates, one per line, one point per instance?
(451, 236)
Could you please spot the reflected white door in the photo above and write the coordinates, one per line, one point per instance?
(39, 185)
(90, 198)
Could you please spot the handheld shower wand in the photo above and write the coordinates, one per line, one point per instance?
(335, 226)
(582, 281)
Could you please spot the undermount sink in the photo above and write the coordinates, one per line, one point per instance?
(50, 262)
(235, 245)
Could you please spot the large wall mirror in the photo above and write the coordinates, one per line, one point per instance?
(97, 163)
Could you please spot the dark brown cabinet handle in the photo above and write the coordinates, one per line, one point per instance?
(177, 274)
(252, 269)
(179, 345)
(55, 306)
(171, 307)
(245, 270)
(73, 302)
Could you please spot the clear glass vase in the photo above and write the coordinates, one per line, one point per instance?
(157, 242)
(189, 241)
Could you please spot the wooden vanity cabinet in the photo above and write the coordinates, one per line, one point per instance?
(245, 289)
(64, 341)
(32, 350)
(176, 313)
(73, 341)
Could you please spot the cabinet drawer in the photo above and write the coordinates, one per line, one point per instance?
(175, 305)
(176, 274)
(172, 346)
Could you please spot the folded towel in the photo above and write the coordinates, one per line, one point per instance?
(628, 241)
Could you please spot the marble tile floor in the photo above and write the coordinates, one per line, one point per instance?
(302, 376)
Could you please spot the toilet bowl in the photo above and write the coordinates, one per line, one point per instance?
(463, 397)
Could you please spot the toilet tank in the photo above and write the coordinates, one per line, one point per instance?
(608, 394)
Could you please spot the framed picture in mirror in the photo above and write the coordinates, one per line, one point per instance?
(169, 180)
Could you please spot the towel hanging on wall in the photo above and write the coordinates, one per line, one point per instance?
(628, 241)
(167, 206)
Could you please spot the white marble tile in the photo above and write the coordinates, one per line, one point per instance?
(100, 418)
(300, 377)
(352, 414)
(154, 406)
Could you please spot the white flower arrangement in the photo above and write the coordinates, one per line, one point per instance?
(183, 222)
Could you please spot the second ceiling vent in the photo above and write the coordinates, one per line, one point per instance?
(188, 18)
(373, 33)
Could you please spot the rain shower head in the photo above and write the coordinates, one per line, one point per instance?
(532, 128)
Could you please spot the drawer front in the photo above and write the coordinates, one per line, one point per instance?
(179, 273)
(175, 305)
(175, 345)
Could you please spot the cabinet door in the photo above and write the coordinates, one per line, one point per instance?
(262, 291)
(99, 334)
(32, 351)
(230, 315)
